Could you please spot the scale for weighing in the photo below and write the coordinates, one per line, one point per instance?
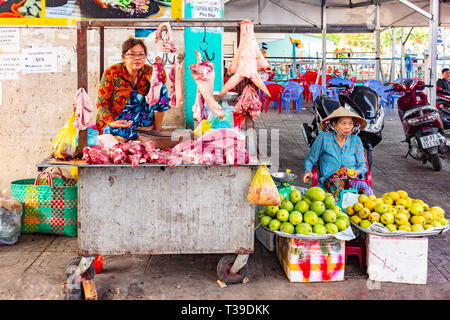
(283, 182)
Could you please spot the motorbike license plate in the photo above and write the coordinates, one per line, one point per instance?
(430, 141)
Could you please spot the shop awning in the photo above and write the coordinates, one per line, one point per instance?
(301, 16)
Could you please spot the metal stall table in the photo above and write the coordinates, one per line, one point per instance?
(156, 209)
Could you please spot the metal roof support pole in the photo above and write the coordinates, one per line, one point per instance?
(82, 77)
(434, 6)
(324, 44)
(394, 48)
(402, 56)
(377, 44)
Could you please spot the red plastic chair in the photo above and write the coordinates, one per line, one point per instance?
(315, 173)
(356, 247)
(309, 78)
(276, 91)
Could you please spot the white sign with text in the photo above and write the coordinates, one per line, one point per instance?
(39, 60)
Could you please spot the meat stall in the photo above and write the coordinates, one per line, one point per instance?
(157, 208)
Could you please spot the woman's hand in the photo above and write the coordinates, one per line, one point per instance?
(353, 174)
(308, 175)
(121, 124)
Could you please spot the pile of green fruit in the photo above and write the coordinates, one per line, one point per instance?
(314, 213)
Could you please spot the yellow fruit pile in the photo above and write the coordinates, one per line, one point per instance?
(396, 211)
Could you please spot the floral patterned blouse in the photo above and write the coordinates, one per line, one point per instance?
(116, 89)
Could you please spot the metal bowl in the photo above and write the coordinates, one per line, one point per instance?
(284, 177)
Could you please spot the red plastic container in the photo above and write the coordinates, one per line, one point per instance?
(98, 264)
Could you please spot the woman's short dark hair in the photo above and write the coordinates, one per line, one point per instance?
(130, 43)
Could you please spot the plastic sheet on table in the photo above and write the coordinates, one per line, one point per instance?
(378, 229)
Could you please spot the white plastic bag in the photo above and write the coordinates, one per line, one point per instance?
(10, 221)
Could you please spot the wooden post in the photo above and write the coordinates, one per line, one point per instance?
(102, 51)
(82, 77)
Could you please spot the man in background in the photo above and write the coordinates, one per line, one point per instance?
(444, 83)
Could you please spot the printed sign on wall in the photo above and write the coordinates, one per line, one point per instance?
(39, 60)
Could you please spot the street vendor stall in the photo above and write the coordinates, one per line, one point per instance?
(163, 208)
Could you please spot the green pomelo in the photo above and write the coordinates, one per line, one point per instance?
(341, 223)
(274, 224)
(329, 202)
(329, 216)
(319, 229)
(272, 210)
(320, 221)
(318, 207)
(295, 217)
(316, 194)
(301, 206)
(283, 215)
(287, 205)
(303, 228)
(287, 227)
(295, 196)
(331, 228)
(265, 220)
(310, 217)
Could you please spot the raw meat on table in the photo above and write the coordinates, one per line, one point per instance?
(203, 74)
(117, 155)
(107, 141)
(247, 61)
(216, 147)
(96, 155)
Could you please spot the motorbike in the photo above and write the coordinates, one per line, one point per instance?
(422, 124)
(443, 106)
(361, 100)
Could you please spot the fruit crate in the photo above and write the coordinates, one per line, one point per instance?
(397, 259)
(311, 260)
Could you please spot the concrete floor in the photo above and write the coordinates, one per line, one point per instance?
(34, 267)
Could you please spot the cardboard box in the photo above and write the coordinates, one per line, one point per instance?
(311, 260)
(402, 260)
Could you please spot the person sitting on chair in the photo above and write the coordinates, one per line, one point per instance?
(444, 82)
(339, 153)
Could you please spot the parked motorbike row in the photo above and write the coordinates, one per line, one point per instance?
(426, 128)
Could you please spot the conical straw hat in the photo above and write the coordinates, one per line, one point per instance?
(343, 112)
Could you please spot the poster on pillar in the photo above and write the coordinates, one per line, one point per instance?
(208, 41)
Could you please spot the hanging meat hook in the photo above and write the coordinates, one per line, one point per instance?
(206, 48)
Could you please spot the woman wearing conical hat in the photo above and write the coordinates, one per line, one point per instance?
(339, 154)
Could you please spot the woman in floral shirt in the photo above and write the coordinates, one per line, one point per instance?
(121, 103)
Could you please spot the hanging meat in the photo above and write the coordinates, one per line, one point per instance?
(248, 102)
(156, 83)
(247, 61)
(203, 74)
(167, 44)
(175, 77)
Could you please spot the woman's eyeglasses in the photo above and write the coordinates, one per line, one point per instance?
(135, 56)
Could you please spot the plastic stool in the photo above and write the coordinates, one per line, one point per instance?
(356, 247)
